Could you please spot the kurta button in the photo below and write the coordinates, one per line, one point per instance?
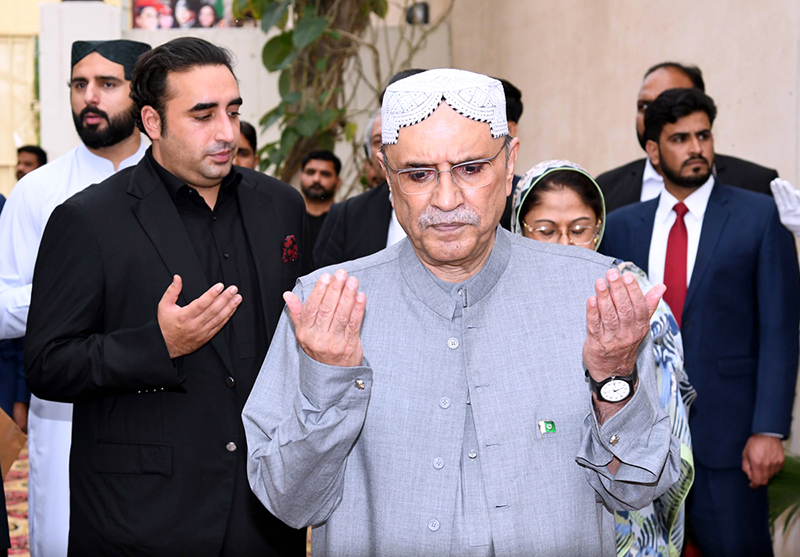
(444, 402)
(438, 463)
(231, 446)
(472, 454)
(230, 381)
(452, 343)
(225, 255)
(359, 383)
(433, 525)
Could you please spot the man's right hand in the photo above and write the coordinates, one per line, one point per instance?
(328, 325)
(185, 329)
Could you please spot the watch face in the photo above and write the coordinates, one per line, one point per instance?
(615, 390)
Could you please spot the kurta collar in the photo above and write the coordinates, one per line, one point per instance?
(425, 287)
(105, 165)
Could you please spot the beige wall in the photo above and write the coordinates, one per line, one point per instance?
(579, 64)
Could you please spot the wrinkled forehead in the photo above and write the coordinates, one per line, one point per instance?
(414, 99)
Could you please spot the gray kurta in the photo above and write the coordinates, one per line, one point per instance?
(381, 470)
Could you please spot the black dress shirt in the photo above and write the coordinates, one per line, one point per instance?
(220, 243)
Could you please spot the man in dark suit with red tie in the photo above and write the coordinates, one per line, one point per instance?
(155, 296)
(640, 180)
(732, 282)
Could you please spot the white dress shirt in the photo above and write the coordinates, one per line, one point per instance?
(22, 224)
(652, 182)
(396, 232)
(665, 218)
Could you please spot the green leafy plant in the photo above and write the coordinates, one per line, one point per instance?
(316, 38)
(318, 43)
(784, 492)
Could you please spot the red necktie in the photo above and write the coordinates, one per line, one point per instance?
(675, 265)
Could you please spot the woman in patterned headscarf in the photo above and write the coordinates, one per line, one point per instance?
(559, 202)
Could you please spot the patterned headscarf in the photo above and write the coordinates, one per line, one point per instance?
(534, 176)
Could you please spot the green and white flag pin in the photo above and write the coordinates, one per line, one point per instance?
(547, 427)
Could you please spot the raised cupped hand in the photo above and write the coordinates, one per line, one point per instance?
(617, 321)
(328, 324)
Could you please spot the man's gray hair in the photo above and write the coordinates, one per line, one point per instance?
(368, 133)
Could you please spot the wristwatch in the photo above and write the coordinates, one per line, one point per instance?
(615, 388)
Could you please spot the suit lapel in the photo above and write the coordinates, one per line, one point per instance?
(642, 234)
(714, 220)
(158, 216)
(633, 194)
(256, 216)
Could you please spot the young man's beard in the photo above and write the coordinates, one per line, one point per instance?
(118, 128)
(691, 181)
(317, 192)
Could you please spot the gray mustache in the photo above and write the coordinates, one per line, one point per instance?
(460, 215)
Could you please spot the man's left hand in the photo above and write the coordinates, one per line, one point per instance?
(762, 458)
(21, 416)
(617, 321)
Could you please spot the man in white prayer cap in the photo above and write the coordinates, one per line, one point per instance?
(464, 391)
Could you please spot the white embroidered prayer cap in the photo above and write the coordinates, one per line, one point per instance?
(413, 99)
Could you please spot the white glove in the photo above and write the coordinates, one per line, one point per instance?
(788, 201)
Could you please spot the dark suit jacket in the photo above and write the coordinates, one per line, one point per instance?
(355, 228)
(623, 186)
(740, 319)
(152, 467)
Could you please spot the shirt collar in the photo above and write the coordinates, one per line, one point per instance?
(101, 163)
(696, 202)
(424, 285)
(174, 184)
(650, 173)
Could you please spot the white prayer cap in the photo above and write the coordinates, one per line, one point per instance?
(413, 99)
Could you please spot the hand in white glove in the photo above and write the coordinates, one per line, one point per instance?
(788, 201)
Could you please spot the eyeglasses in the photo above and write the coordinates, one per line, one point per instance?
(470, 175)
(579, 235)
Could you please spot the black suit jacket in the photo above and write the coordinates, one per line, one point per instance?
(740, 317)
(355, 228)
(153, 466)
(623, 186)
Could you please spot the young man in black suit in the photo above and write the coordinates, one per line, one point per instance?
(155, 296)
(640, 180)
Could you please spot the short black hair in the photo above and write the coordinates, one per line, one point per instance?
(249, 133)
(558, 180)
(149, 80)
(513, 101)
(397, 77)
(673, 104)
(692, 72)
(41, 156)
(322, 155)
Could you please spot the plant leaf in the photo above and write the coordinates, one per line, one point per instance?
(308, 122)
(273, 13)
(350, 130)
(271, 117)
(278, 52)
(292, 98)
(329, 115)
(379, 7)
(238, 8)
(326, 140)
(289, 137)
(321, 63)
(308, 30)
(284, 82)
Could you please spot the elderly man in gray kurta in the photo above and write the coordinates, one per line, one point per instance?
(433, 398)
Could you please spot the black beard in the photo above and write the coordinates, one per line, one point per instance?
(119, 128)
(692, 181)
(316, 192)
